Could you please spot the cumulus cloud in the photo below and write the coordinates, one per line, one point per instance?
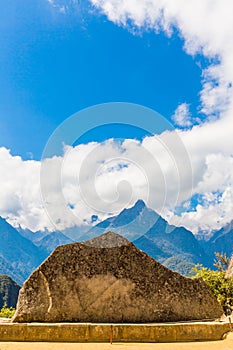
(103, 178)
(93, 179)
(210, 148)
(148, 170)
(206, 28)
(20, 191)
(182, 116)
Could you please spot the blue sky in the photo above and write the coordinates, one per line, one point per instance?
(58, 57)
(54, 64)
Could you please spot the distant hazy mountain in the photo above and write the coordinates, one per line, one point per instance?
(178, 246)
(34, 237)
(8, 269)
(175, 247)
(46, 241)
(130, 223)
(77, 233)
(52, 240)
(9, 291)
(18, 256)
(149, 246)
(221, 241)
(49, 240)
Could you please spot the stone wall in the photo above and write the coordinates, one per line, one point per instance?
(66, 332)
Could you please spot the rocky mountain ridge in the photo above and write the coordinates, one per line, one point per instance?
(9, 291)
(175, 247)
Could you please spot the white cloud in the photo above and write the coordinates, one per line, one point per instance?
(116, 175)
(182, 116)
(206, 28)
(210, 148)
(20, 191)
(216, 95)
(96, 178)
(103, 178)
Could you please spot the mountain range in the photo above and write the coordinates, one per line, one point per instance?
(21, 251)
(9, 291)
(18, 255)
(130, 223)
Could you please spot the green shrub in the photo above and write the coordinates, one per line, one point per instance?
(7, 312)
(221, 287)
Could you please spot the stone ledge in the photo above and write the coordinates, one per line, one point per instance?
(90, 332)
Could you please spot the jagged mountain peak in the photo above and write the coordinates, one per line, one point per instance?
(130, 223)
(140, 204)
(127, 215)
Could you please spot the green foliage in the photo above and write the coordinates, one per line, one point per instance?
(221, 287)
(7, 312)
(179, 264)
(221, 261)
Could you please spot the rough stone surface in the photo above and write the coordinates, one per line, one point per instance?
(109, 280)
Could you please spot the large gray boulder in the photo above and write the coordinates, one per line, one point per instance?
(107, 279)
